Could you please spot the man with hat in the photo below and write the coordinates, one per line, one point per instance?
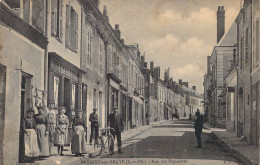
(198, 127)
(93, 118)
(115, 121)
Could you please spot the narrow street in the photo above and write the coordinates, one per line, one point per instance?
(174, 141)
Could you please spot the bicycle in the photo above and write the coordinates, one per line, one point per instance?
(105, 142)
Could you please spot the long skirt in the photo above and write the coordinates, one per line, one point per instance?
(61, 137)
(43, 140)
(31, 144)
(78, 142)
(52, 136)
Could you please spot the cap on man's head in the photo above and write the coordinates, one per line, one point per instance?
(115, 109)
(94, 109)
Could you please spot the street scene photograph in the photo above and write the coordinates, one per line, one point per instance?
(129, 82)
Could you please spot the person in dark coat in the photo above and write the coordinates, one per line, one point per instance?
(93, 118)
(198, 127)
(115, 121)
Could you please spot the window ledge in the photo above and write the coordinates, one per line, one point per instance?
(57, 38)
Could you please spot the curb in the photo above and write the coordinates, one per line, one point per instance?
(222, 144)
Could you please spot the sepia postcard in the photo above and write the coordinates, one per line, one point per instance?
(129, 82)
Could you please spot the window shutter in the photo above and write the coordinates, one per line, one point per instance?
(67, 37)
(76, 31)
(60, 19)
(54, 17)
(51, 88)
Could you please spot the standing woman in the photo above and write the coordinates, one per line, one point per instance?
(42, 132)
(79, 144)
(62, 130)
(51, 119)
(30, 137)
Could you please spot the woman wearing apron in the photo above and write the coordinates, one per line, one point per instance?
(42, 132)
(79, 144)
(30, 137)
(62, 130)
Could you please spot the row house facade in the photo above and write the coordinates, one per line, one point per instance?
(239, 98)
(22, 70)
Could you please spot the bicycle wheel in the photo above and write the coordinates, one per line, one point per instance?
(98, 146)
(110, 144)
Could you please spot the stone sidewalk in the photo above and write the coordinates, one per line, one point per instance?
(242, 150)
(69, 157)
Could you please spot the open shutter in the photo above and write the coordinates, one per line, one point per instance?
(51, 88)
(67, 37)
(76, 31)
(54, 17)
(60, 19)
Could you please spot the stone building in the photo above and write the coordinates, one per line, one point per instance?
(22, 71)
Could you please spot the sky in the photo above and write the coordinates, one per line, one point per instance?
(179, 34)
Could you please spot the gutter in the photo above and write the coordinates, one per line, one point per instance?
(46, 51)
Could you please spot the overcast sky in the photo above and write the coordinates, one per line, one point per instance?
(179, 34)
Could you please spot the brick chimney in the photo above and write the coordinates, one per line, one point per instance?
(220, 23)
(117, 31)
(105, 13)
(180, 82)
(194, 88)
(151, 67)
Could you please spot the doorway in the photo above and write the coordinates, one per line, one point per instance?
(26, 103)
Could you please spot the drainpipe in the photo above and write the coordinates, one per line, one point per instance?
(251, 90)
(46, 51)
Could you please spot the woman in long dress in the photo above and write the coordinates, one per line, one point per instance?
(51, 119)
(79, 144)
(30, 137)
(42, 132)
(62, 130)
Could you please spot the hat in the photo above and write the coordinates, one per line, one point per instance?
(79, 110)
(94, 109)
(62, 108)
(114, 108)
(30, 110)
(40, 107)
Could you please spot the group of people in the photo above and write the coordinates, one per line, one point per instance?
(46, 133)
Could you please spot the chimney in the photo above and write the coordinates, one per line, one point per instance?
(117, 31)
(208, 65)
(194, 88)
(151, 67)
(96, 2)
(180, 82)
(105, 13)
(186, 84)
(220, 23)
(145, 64)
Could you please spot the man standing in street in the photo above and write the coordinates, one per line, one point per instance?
(93, 118)
(198, 127)
(115, 121)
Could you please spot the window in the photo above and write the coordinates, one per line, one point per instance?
(241, 52)
(95, 98)
(246, 48)
(73, 97)
(71, 28)
(34, 13)
(56, 90)
(89, 47)
(56, 18)
(101, 52)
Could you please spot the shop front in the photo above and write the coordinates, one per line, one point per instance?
(64, 86)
